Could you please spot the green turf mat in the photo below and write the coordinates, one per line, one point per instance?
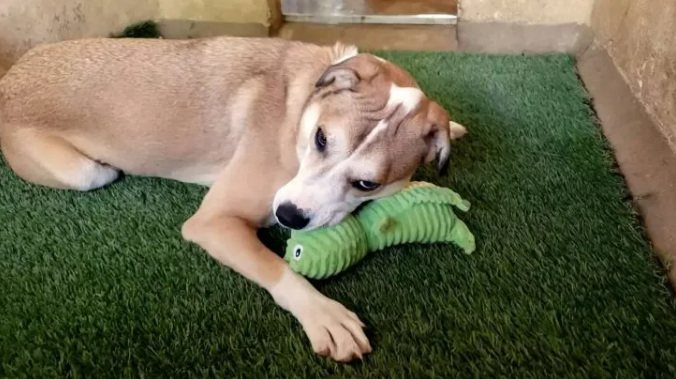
(562, 283)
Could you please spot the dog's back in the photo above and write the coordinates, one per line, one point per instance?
(176, 98)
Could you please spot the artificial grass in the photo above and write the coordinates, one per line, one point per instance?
(562, 283)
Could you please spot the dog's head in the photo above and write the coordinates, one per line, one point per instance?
(364, 131)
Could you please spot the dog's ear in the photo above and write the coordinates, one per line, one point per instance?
(347, 74)
(438, 137)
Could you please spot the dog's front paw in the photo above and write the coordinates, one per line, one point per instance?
(333, 330)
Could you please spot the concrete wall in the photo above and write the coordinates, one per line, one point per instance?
(27, 23)
(203, 18)
(524, 26)
(540, 12)
(237, 11)
(640, 36)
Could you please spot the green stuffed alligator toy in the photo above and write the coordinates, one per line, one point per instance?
(420, 213)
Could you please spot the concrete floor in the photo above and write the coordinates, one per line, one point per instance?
(642, 152)
(643, 155)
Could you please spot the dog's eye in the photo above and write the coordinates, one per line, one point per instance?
(365, 185)
(320, 140)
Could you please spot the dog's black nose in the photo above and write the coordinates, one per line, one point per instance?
(290, 216)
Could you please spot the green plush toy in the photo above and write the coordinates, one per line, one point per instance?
(420, 213)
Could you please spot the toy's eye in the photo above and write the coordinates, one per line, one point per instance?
(297, 252)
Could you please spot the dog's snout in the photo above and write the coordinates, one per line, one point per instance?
(290, 216)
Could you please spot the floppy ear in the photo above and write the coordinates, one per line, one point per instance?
(347, 74)
(439, 137)
(340, 78)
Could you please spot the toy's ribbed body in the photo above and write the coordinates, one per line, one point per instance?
(324, 252)
(421, 213)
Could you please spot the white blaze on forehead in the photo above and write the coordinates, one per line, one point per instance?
(309, 119)
(379, 129)
(308, 122)
(407, 97)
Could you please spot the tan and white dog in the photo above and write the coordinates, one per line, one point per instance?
(280, 131)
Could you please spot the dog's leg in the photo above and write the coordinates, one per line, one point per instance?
(53, 162)
(225, 227)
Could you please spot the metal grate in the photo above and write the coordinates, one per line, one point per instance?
(371, 11)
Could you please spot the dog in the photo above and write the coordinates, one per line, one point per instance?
(281, 132)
